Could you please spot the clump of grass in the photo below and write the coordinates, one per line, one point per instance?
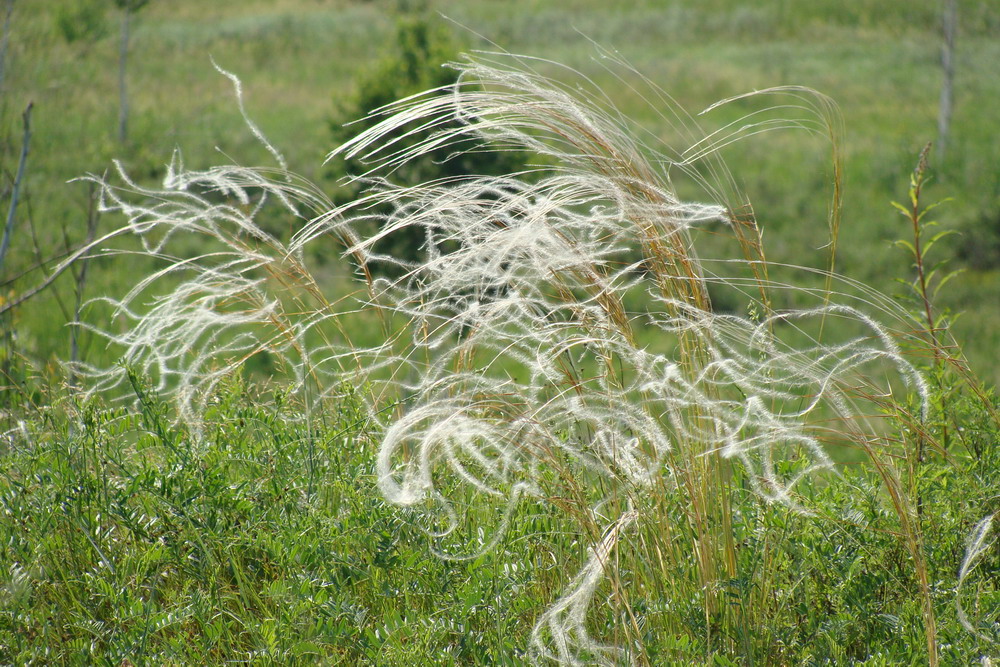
(558, 345)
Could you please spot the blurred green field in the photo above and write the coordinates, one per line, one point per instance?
(878, 60)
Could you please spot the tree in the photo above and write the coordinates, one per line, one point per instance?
(413, 64)
(128, 7)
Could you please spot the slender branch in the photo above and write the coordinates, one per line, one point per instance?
(58, 271)
(93, 215)
(16, 192)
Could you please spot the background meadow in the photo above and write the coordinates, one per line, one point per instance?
(270, 542)
(299, 60)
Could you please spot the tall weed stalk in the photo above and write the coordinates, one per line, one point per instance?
(558, 344)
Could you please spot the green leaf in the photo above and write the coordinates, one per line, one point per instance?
(945, 280)
(931, 207)
(306, 647)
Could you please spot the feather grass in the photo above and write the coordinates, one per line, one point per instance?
(516, 368)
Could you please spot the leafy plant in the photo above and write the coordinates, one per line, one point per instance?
(929, 278)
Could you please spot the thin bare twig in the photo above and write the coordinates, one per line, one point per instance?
(93, 215)
(16, 192)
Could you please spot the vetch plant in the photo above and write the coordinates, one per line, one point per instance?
(558, 344)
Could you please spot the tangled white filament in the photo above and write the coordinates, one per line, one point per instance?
(517, 355)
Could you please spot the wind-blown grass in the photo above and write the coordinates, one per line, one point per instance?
(513, 365)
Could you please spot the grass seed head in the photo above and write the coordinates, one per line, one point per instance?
(517, 366)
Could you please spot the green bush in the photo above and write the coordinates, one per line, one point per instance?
(82, 21)
(415, 63)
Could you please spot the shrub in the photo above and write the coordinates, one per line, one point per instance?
(413, 65)
(82, 21)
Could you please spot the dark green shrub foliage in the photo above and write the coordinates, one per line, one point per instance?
(411, 66)
(81, 21)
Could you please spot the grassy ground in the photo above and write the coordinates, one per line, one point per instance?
(267, 542)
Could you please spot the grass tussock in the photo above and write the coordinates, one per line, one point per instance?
(557, 348)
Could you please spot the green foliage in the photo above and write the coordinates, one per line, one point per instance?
(130, 5)
(930, 277)
(82, 21)
(124, 540)
(416, 62)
